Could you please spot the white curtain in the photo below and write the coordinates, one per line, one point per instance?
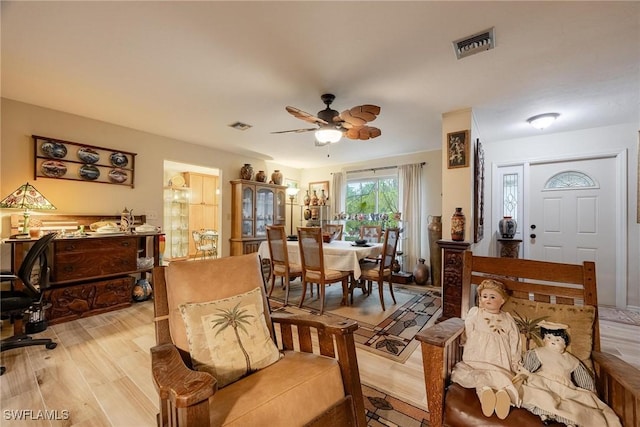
(337, 194)
(410, 189)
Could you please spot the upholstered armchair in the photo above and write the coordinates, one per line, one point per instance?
(564, 293)
(312, 381)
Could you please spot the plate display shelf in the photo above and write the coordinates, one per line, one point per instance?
(59, 159)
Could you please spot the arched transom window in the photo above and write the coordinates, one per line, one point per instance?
(570, 180)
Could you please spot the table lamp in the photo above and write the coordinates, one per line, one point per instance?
(26, 197)
(291, 192)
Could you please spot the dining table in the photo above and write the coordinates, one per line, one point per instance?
(339, 255)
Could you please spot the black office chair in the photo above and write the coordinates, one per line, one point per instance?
(15, 303)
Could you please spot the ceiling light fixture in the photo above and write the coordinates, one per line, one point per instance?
(328, 134)
(542, 121)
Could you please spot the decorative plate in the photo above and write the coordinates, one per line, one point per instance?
(89, 172)
(118, 175)
(55, 150)
(53, 168)
(88, 155)
(177, 181)
(119, 159)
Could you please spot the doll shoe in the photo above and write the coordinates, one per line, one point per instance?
(488, 401)
(503, 404)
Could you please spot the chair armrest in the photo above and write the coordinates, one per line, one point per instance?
(441, 350)
(618, 386)
(175, 381)
(331, 325)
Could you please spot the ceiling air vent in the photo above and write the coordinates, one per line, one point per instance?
(240, 126)
(484, 40)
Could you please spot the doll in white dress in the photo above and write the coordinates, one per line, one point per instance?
(492, 352)
(558, 387)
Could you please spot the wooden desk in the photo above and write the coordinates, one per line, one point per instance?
(91, 275)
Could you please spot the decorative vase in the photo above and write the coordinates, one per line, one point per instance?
(507, 227)
(141, 290)
(126, 220)
(458, 221)
(434, 230)
(307, 214)
(323, 198)
(261, 176)
(246, 172)
(307, 199)
(421, 273)
(315, 213)
(314, 199)
(276, 177)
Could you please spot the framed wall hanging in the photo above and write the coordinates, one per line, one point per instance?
(59, 159)
(458, 149)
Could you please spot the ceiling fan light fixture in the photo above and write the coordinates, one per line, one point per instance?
(542, 121)
(328, 134)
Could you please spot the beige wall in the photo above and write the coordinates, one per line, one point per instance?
(20, 121)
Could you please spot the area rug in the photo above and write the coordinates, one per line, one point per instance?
(389, 333)
(385, 410)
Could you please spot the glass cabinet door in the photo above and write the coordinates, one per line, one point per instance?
(247, 211)
(280, 207)
(264, 210)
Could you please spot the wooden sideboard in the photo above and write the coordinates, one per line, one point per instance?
(91, 275)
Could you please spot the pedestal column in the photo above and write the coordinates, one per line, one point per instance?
(509, 248)
(452, 277)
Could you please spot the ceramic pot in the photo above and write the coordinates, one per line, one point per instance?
(246, 172)
(276, 177)
(507, 227)
(421, 273)
(458, 221)
(314, 199)
(141, 290)
(261, 176)
(307, 199)
(307, 214)
(434, 230)
(395, 266)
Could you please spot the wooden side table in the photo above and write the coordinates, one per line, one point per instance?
(452, 277)
(509, 248)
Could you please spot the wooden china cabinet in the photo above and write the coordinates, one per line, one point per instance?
(254, 206)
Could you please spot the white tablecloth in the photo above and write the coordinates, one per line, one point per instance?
(338, 255)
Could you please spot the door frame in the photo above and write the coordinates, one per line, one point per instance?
(620, 211)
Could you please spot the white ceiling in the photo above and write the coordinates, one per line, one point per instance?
(187, 70)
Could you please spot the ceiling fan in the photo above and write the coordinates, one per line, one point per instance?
(332, 125)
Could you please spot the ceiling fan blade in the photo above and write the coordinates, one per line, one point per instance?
(296, 130)
(361, 114)
(363, 133)
(303, 115)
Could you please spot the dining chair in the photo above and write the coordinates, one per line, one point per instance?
(371, 233)
(206, 242)
(382, 270)
(334, 229)
(279, 256)
(313, 270)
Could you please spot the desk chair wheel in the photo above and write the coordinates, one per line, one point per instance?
(51, 345)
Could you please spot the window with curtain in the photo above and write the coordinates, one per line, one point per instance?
(370, 200)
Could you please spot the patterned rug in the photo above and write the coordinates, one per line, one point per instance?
(385, 410)
(389, 333)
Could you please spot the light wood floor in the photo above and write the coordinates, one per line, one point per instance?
(100, 371)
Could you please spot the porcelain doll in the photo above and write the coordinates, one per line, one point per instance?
(558, 387)
(492, 352)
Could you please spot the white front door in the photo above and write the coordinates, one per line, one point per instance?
(572, 217)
